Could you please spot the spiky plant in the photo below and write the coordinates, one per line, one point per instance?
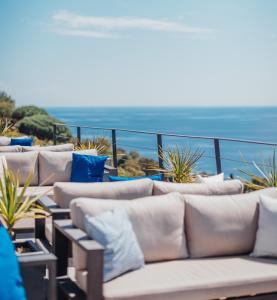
(179, 162)
(14, 204)
(262, 176)
(100, 144)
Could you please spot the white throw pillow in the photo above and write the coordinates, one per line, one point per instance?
(87, 152)
(210, 179)
(266, 238)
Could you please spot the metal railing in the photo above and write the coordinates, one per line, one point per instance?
(159, 141)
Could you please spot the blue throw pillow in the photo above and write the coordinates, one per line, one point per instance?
(87, 168)
(27, 141)
(11, 287)
(157, 177)
(113, 230)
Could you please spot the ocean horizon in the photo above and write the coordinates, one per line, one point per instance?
(249, 123)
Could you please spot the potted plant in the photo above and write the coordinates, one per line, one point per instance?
(14, 204)
(179, 163)
(261, 176)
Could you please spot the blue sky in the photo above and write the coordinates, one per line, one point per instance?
(146, 52)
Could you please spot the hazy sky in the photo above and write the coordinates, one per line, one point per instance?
(139, 52)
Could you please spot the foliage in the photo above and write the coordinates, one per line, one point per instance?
(262, 177)
(132, 164)
(7, 105)
(101, 144)
(27, 111)
(180, 162)
(5, 126)
(41, 126)
(14, 205)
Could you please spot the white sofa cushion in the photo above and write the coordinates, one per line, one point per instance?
(228, 187)
(54, 167)
(66, 191)
(24, 163)
(193, 279)
(209, 179)
(266, 239)
(9, 149)
(5, 141)
(158, 222)
(54, 148)
(222, 225)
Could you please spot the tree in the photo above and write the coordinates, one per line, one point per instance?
(7, 105)
(41, 126)
(27, 111)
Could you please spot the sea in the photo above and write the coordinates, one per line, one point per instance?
(245, 123)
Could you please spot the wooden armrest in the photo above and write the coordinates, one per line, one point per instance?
(77, 235)
(64, 234)
(53, 208)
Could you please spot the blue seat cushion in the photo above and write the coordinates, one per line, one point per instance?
(11, 286)
(113, 230)
(157, 177)
(28, 141)
(87, 168)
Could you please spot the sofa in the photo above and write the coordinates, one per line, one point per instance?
(49, 164)
(195, 247)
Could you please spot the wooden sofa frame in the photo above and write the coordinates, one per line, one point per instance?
(64, 234)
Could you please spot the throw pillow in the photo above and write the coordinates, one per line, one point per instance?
(113, 230)
(266, 238)
(208, 179)
(87, 168)
(24, 141)
(157, 177)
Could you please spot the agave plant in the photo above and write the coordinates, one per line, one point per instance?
(263, 176)
(14, 204)
(180, 162)
(100, 144)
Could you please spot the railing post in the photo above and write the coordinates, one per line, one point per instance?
(54, 134)
(160, 150)
(78, 136)
(217, 156)
(114, 148)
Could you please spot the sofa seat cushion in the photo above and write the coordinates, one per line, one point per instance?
(228, 187)
(66, 191)
(223, 225)
(24, 163)
(193, 279)
(158, 222)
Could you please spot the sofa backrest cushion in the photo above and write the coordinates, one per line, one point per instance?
(54, 167)
(54, 148)
(158, 222)
(64, 192)
(5, 141)
(9, 149)
(228, 187)
(24, 163)
(222, 225)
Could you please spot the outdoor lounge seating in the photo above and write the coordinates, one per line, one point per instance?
(220, 234)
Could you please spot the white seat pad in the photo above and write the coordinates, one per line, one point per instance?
(193, 279)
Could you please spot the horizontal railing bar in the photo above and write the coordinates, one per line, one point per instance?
(174, 135)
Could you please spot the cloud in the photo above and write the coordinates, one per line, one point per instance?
(67, 23)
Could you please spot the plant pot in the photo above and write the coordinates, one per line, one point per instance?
(32, 276)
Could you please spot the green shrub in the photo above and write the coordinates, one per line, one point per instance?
(27, 111)
(7, 105)
(41, 126)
